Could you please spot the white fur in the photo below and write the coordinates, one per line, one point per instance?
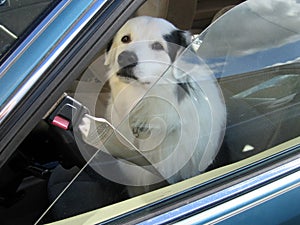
(180, 137)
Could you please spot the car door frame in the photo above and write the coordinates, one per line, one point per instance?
(50, 75)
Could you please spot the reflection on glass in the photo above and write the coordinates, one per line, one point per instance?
(252, 36)
(253, 51)
(274, 92)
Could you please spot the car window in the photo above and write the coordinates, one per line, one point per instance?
(19, 17)
(163, 116)
(253, 73)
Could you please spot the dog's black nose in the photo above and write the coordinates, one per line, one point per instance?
(127, 58)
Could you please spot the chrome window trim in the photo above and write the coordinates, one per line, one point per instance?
(235, 190)
(4, 67)
(8, 32)
(76, 27)
(7, 64)
(246, 202)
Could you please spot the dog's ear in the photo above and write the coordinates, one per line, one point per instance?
(109, 53)
(177, 40)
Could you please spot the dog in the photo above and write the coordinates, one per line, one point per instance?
(165, 101)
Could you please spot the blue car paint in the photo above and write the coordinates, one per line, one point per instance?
(264, 205)
(12, 76)
(216, 213)
(283, 209)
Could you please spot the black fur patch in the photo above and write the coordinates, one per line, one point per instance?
(176, 40)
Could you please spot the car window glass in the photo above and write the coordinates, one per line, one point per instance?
(17, 18)
(244, 47)
(258, 71)
(252, 70)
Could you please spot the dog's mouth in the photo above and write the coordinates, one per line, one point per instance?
(127, 73)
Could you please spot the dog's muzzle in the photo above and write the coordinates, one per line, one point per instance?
(127, 60)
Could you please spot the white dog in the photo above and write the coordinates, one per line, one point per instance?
(164, 101)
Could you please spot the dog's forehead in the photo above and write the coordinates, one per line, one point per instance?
(144, 26)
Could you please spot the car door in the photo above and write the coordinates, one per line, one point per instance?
(253, 54)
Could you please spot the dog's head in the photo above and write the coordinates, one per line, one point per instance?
(144, 48)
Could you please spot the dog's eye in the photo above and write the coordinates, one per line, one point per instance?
(157, 46)
(126, 39)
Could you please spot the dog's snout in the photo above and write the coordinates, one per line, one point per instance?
(127, 58)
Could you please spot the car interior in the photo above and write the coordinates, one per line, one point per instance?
(48, 160)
